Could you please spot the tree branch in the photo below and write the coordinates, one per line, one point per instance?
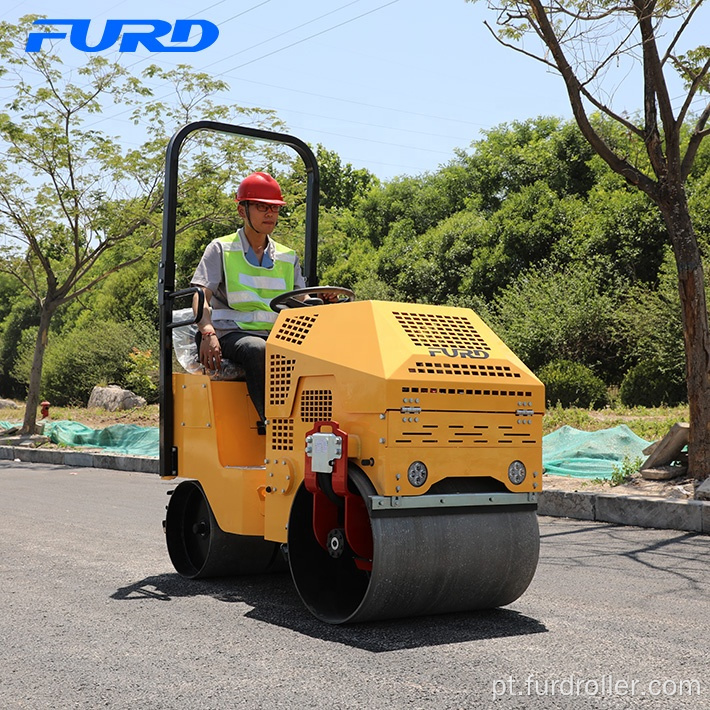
(574, 91)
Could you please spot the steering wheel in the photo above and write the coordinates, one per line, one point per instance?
(289, 300)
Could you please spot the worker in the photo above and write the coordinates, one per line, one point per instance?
(240, 274)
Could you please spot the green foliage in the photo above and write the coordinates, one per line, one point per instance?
(341, 185)
(651, 329)
(570, 314)
(78, 361)
(622, 473)
(647, 384)
(514, 156)
(19, 333)
(572, 385)
(142, 374)
(622, 232)
(24, 346)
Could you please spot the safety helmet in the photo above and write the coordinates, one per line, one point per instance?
(260, 187)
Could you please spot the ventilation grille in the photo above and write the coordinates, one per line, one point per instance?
(295, 328)
(316, 406)
(280, 371)
(281, 431)
(458, 390)
(436, 330)
(435, 435)
(462, 369)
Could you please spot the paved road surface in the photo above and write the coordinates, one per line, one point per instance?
(94, 616)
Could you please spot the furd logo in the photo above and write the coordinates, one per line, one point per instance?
(458, 352)
(118, 32)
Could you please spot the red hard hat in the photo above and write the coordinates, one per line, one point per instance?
(260, 187)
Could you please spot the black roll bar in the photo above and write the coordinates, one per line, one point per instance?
(166, 268)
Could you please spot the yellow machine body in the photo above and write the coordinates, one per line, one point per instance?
(407, 383)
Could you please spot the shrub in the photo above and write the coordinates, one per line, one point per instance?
(572, 385)
(143, 373)
(649, 384)
(550, 313)
(83, 358)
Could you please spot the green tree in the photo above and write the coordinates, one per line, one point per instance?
(75, 205)
(341, 185)
(586, 43)
(517, 155)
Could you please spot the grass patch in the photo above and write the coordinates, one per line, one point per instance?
(98, 418)
(650, 423)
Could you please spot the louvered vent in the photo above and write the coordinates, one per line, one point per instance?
(316, 406)
(280, 371)
(437, 330)
(423, 434)
(462, 369)
(281, 431)
(294, 329)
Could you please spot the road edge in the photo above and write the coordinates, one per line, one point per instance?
(640, 511)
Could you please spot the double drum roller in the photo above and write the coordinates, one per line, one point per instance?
(402, 460)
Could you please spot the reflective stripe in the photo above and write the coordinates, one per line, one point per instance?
(238, 297)
(272, 283)
(255, 316)
(288, 256)
(222, 315)
(232, 246)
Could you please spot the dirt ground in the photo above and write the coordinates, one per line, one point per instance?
(681, 488)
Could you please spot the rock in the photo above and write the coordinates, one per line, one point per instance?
(663, 473)
(114, 398)
(8, 404)
(702, 492)
(32, 441)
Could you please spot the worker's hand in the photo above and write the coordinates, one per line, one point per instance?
(210, 351)
(329, 296)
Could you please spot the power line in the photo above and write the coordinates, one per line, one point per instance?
(199, 12)
(281, 34)
(399, 129)
(357, 103)
(317, 34)
(204, 9)
(371, 140)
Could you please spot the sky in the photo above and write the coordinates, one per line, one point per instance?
(393, 86)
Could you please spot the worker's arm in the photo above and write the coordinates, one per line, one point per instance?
(210, 350)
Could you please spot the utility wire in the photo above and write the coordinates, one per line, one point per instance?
(281, 34)
(317, 34)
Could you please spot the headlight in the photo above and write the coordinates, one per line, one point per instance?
(417, 473)
(516, 472)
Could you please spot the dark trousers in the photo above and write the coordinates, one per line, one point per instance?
(249, 352)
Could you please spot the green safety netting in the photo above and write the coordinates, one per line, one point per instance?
(118, 438)
(565, 452)
(590, 454)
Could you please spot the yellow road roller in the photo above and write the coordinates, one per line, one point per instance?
(402, 460)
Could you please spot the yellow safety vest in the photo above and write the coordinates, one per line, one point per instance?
(250, 288)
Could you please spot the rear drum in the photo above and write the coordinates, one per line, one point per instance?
(199, 548)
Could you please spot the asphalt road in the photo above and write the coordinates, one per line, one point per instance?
(93, 616)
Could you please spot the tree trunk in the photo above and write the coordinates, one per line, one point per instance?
(691, 285)
(33, 393)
